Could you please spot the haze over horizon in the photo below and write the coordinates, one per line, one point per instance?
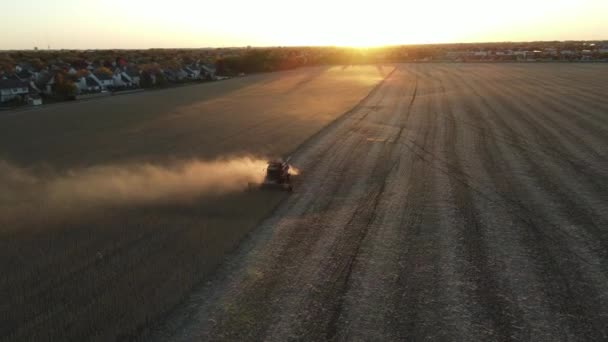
(68, 24)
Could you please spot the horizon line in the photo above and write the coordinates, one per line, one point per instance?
(314, 46)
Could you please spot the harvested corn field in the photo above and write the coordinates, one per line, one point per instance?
(458, 202)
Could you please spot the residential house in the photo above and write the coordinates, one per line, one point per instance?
(176, 74)
(456, 54)
(119, 80)
(192, 72)
(24, 75)
(105, 80)
(125, 77)
(532, 56)
(550, 51)
(93, 85)
(170, 75)
(133, 75)
(81, 84)
(207, 72)
(11, 76)
(520, 53)
(126, 80)
(49, 84)
(60, 66)
(41, 84)
(13, 89)
(87, 84)
(24, 67)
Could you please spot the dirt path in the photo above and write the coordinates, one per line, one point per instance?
(455, 203)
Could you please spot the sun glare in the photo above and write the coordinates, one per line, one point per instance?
(192, 23)
(387, 22)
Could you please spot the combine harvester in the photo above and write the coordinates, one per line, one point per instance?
(277, 176)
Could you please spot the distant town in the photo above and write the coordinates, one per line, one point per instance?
(37, 76)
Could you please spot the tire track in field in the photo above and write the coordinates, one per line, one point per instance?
(575, 90)
(587, 121)
(590, 86)
(596, 189)
(365, 285)
(413, 300)
(480, 269)
(427, 213)
(575, 305)
(289, 255)
(578, 166)
(547, 81)
(385, 166)
(448, 169)
(588, 89)
(551, 178)
(501, 123)
(567, 103)
(574, 162)
(542, 127)
(563, 153)
(326, 302)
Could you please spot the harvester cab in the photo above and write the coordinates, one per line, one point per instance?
(277, 175)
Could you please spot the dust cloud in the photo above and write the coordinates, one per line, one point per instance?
(25, 194)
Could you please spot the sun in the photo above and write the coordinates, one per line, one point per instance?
(357, 24)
